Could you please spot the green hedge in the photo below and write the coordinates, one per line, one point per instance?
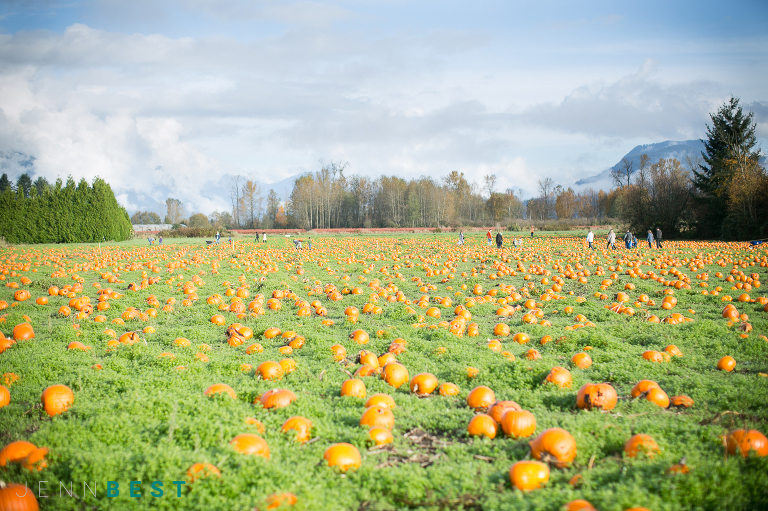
(64, 214)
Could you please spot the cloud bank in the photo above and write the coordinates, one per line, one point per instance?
(159, 115)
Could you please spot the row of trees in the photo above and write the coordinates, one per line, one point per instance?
(722, 194)
(60, 213)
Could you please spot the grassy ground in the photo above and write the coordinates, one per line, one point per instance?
(141, 418)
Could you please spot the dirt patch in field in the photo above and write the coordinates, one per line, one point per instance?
(425, 449)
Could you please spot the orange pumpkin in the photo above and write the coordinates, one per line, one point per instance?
(528, 475)
(582, 360)
(344, 456)
(395, 374)
(17, 497)
(300, 425)
(276, 398)
(449, 389)
(354, 388)
(744, 442)
(499, 408)
(380, 436)
(518, 423)
(220, 388)
(642, 387)
(5, 396)
(560, 376)
(726, 363)
(597, 395)
(384, 400)
(23, 332)
(423, 384)
(380, 416)
(57, 399)
(482, 425)
(555, 445)
(481, 397)
(200, 470)
(270, 370)
(640, 444)
(15, 452)
(250, 443)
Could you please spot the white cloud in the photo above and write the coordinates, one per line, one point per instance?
(637, 105)
(160, 116)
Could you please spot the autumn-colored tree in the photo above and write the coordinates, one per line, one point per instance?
(251, 202)
(175, 211)
(565, 203)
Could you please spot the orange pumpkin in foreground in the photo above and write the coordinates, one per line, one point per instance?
(344, 456)
(528, 475)
(57, 399)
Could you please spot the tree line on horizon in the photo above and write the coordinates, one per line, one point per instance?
(722, 194)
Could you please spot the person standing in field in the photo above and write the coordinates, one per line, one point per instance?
(264, 238)
(461, 238)
(590, 238)
(650, 239)
(489, 237)
(531, 231)
(611, 240)
(499, 239)
(309, 243)
(628, 239)
(658, 238)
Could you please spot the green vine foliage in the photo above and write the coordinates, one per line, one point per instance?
(64, 213)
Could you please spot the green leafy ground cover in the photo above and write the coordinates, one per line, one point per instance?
(142, 419)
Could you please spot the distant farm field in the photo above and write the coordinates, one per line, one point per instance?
(139, 333)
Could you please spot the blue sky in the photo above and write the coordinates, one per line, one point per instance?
(167, 98)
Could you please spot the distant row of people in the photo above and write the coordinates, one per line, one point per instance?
(630, 240)
(489, 236)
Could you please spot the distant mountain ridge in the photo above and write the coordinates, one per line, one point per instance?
(660, 150)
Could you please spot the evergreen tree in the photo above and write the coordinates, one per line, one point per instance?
(730, 137)
(41, 184)
(5, 183)
(24, 183)
(63, 214)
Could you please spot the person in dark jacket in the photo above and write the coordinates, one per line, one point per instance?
(628, 239)
(499, 239)
(658, 238)
(650, 239)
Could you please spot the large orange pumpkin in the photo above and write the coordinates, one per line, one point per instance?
(57, 399)
(23, 332)
(596, 395)
(395, 374)
(344, 456)
(518, 423)
(744, 442)
(481, 397)
(11, 500)
(555, 445)
(15, 452)
(528, 475)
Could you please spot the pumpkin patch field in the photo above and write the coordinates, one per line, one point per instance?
(384, 373)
